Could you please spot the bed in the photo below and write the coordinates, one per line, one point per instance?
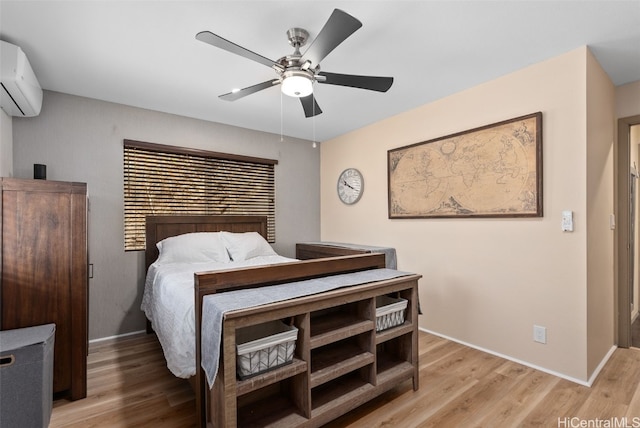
(168, 295)
(310, 391)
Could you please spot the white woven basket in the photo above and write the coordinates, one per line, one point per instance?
(264, 347)
(389, 312)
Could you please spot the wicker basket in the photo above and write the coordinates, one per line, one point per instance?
(389, 312)
(264, 347)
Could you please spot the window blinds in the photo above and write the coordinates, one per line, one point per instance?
(167, 180)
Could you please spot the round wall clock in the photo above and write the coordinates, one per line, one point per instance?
(350, 186)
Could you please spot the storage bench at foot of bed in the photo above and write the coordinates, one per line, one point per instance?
(341, 360)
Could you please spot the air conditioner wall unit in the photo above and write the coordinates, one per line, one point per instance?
(20, 94)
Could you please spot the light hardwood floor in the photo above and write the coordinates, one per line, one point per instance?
(130, 386)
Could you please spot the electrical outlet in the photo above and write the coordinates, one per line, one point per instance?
(539, 334)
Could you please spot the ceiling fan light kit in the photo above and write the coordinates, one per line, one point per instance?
(297, 72)
(297, 83)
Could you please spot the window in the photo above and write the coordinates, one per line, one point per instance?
(167, 180)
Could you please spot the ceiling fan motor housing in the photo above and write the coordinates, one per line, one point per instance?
(297, 37)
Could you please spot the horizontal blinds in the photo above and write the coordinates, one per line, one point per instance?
(164, 183)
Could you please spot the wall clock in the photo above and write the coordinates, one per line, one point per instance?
(350, 186)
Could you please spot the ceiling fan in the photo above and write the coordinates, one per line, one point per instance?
(296, 73)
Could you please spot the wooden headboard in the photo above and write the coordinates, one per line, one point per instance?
(161, 227)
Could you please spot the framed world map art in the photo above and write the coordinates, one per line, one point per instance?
(492, 171)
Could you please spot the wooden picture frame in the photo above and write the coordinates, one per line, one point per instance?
(491, 171)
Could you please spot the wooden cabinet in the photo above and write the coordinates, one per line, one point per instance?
(340, 360)
(44, 270)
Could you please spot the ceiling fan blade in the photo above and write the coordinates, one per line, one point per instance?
(336, 30)
(219, 42)
(235, 95)
(373, 83)
(310, 106)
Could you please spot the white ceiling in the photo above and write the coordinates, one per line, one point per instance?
(144, 53)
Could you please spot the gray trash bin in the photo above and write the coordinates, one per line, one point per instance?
(26, 376)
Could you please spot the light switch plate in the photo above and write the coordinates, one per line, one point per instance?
(567, 221)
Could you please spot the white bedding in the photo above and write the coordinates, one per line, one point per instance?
(168, 303)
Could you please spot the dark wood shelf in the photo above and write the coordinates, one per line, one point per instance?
(329, 395)
(327, 356)
(333, 361)
(273, 410)
(251, 384)
(337, 326)
(393, 332)
(389, 368)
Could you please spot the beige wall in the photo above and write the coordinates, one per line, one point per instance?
(486, 282)
(628, 100)
(600, 205)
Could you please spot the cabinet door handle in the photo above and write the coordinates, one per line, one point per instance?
(7, 361)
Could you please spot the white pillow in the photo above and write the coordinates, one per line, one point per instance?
(247, 245)
(193, 248)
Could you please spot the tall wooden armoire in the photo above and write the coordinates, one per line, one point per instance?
(44, 270)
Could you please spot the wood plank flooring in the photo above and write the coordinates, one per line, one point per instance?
(635, 333)
(130, 386)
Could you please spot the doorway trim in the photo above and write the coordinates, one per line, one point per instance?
(623, 229)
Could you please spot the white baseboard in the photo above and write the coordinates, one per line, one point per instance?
(596, 372)
(118, 336)
(528, 364)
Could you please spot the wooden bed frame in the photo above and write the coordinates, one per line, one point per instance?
(347, 315)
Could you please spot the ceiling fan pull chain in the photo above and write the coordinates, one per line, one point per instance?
(314, 145)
